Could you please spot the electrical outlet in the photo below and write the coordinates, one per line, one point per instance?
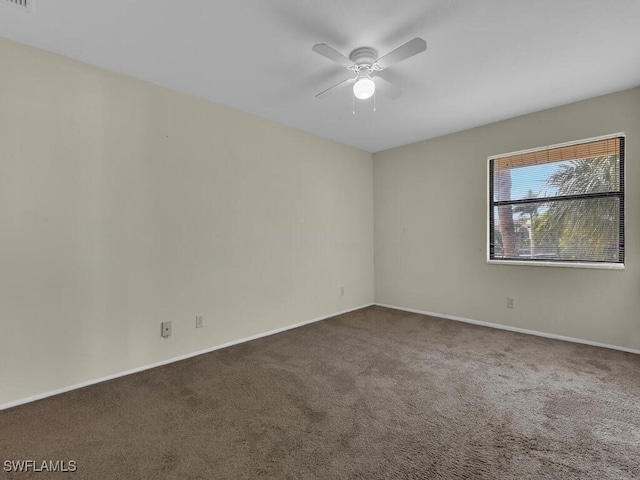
(342, 291)
(510, 303)
(166, 329)
(199, 321)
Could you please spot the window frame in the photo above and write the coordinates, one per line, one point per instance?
(559, 263)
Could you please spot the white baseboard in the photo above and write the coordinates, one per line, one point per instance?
(172, 360)
(512, 329)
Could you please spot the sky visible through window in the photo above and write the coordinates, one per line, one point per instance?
(534, 178)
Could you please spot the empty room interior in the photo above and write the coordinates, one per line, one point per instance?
(340, 239)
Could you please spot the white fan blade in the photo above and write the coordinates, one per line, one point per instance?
(386, 88)
(328, 52)
(330, 90)
(409, 49)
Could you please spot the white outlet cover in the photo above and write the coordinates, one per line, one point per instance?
(166, 329)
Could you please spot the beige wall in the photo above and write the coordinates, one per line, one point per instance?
(431, 230)
(123, 204)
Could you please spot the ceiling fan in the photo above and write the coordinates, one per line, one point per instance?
(365, 63)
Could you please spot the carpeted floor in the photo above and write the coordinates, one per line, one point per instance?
(373, 394)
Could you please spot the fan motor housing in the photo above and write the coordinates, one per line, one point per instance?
(364, 56)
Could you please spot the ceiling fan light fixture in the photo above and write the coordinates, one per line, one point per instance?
(364, 62)
(364, 88)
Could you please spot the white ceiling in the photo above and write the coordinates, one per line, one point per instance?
(486, 60)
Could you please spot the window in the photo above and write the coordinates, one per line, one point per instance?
(559, 205)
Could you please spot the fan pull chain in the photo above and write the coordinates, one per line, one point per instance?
(374, 100)
(353, 106)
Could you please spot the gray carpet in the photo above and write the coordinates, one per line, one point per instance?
(373, 394)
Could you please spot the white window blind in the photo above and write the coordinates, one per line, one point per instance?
(561, 203)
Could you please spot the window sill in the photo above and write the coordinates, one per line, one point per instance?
(599, 266)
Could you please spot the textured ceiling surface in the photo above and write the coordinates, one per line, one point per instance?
(485, 61)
